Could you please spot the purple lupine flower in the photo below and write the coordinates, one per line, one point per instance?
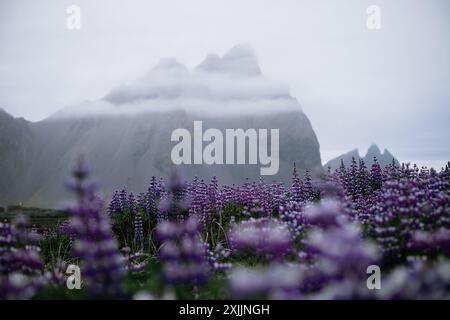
(213, 200)
(199, 206)
(429, 243)
(296, 188)
(308, 193)
(95, 245)
(123, 199)
(18, 286)
(217, 256)
(21, 267)
(256, 210)
(404, 206)
(66, 229)
(405, 210)
(183, 253)
(138, 230)
(277, 195)
(292, 214)
(266, 237)
(362, 180)
(7, 243)
(376, 175)
(262, 193)
(277, 281)
(360, 208)
(339, 251)
(23, 251)
(115, 206)
(131, 204)
(155, 193)
(420, 281)
(192, 187)
(332, 186)
(329, 213)
(133, 261)
(173, 205)
(142, 202)
(57, 275)
(342, 250)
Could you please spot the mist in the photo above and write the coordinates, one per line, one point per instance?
(216, 87)
(389, 86)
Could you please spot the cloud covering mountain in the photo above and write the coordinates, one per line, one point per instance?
(126, 135)
(389, 85)
(228, 85)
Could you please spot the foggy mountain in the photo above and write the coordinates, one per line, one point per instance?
(126, 135)
(383, 159)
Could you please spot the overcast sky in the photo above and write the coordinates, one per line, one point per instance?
(357, 86)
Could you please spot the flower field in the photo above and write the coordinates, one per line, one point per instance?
(319, 237)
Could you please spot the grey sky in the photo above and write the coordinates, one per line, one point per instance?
(390, 86)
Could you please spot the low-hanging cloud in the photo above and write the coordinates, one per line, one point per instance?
(229, 85)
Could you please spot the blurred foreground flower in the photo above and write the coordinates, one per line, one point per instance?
(182, 253)
(341, 254)
(101, 265)
(21, 266)
(266, 237)
(276, 281)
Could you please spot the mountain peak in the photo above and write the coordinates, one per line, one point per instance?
(239, 51)
(353, 153)
(211, 61)
(5, 114)
(169, 64)
(383, 159)
(373, 151)
(239, 60)
(386, 153)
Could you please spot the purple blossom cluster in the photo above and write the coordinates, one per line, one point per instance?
(312, 239)
(95, 245)
(275, 281)
(330, 227)
(217, 256)
(413, 203)
(266, 237)
(420, 280)
(138, 229)
(22, 271)
(340, 253)
(134, 262)
(182, 253)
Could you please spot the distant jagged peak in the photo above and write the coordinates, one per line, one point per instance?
(386, 153)
(239, 60)
(352, 154)
(373, 150)
(383, 159)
